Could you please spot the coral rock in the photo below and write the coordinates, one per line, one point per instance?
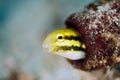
(100, 31)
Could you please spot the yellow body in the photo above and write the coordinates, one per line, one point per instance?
(65, 42)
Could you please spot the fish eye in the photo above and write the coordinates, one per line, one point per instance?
(60, 37)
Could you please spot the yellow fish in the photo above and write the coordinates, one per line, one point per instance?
(66, 43)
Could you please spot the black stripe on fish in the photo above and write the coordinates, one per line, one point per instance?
(74, 38)
(75, 48)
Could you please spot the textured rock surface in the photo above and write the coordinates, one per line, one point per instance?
(100, 30)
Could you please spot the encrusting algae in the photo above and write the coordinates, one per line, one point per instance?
(100, 30)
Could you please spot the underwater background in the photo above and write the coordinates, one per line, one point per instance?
(24, 24)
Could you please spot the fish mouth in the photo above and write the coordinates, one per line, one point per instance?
(47, 47)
